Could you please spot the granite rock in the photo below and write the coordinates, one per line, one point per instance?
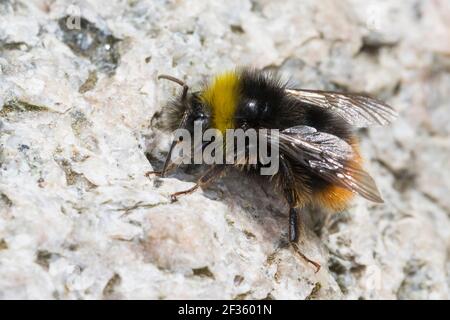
(78, 99)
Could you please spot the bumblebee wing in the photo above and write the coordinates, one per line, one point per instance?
(330, 157)
(357, 110)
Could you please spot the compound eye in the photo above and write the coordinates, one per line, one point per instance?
(200, 117)
(251, 108)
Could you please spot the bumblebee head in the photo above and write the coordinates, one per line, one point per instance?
(236, 99)
(243, 98)
(197, 112)
(186, 109)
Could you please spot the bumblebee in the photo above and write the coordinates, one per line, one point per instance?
(319, 159)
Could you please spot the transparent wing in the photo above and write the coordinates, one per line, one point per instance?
(329, 157)
(357, 110)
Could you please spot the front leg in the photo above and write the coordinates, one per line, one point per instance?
(210, 175)
(161, 173)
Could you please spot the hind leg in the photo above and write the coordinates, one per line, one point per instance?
(294, 236)
(288, 188)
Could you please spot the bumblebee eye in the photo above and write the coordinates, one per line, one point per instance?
(252, 106)
(200, 117)
(253, 109)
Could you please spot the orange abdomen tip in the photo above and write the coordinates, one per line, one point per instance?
(334, 197)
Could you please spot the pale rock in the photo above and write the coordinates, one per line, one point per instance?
(80, 220)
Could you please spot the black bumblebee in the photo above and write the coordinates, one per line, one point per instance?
(319, 159)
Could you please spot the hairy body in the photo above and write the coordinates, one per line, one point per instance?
(319, 161)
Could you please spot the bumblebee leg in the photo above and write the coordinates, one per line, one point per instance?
(288, 188)
(294, 236)
(161, 173)
(156, 173)
(174, 196)
(293, 225)
(204, 180)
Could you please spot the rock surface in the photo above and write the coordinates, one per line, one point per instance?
(78, 218)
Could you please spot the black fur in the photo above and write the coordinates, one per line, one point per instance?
(276, 110)
(176, 108)
(263, 103)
